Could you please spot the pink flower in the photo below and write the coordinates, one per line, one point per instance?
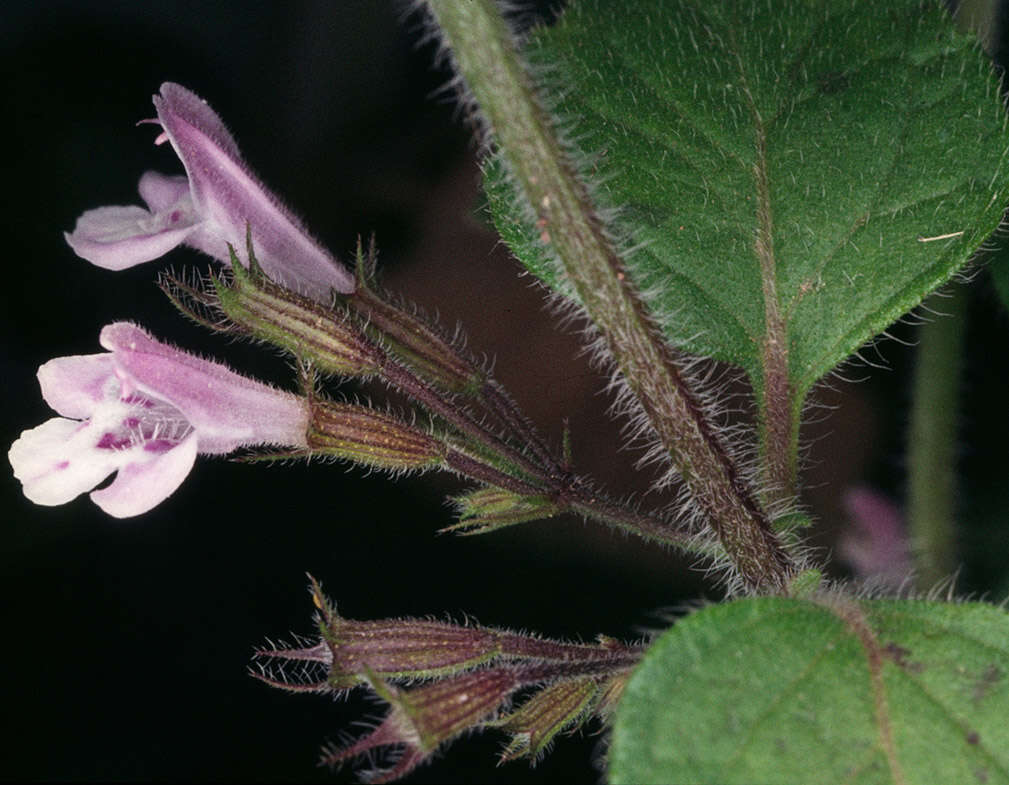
(877, 548)
(208, 209)
(144, 410)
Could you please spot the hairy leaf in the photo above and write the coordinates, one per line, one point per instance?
(780, 166)
(783, 690)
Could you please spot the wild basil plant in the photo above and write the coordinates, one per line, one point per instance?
(766, 185)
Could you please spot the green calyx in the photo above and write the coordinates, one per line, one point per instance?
(377, 439)
(305, 328)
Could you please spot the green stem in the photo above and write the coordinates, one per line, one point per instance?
(649, 526)
(932, 441)
(569, 228)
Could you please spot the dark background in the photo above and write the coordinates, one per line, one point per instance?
(126, 643)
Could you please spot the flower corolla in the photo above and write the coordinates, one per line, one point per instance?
(208, 209)
(143, 410)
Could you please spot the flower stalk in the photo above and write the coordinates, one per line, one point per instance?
(420, 346)
(342, 340)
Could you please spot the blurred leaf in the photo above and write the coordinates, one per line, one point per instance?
(783, 690)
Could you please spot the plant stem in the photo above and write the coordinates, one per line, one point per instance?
(596, 508)
(447, 366)
(569, 227)
(931, 482)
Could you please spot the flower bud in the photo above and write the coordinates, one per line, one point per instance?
(302, 326)
(423, 718)
(410, 649)
(471, 674)
(363, 435)
(388, 648)
(610, 693)
(405, 648)
(557, 707)
(488, 509)
(411, 339)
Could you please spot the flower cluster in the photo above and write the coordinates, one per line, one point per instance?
(143, 410)
(470, 677)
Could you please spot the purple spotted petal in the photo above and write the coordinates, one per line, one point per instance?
(140, 486)
(119, 237)
(57, 461)
(143, 412)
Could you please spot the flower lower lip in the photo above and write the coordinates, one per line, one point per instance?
(159, 445)
(113, 441)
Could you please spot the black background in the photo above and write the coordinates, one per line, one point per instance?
(126, 643)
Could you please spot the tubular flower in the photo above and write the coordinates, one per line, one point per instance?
(423, 718)
(208, 209)
(143, 409)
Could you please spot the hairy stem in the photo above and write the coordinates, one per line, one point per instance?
(447, 366)
(593, 507)
(931, 482)
(487, 57)
(512, 470)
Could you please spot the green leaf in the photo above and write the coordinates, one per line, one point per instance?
(858, 129)
(780, 690)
